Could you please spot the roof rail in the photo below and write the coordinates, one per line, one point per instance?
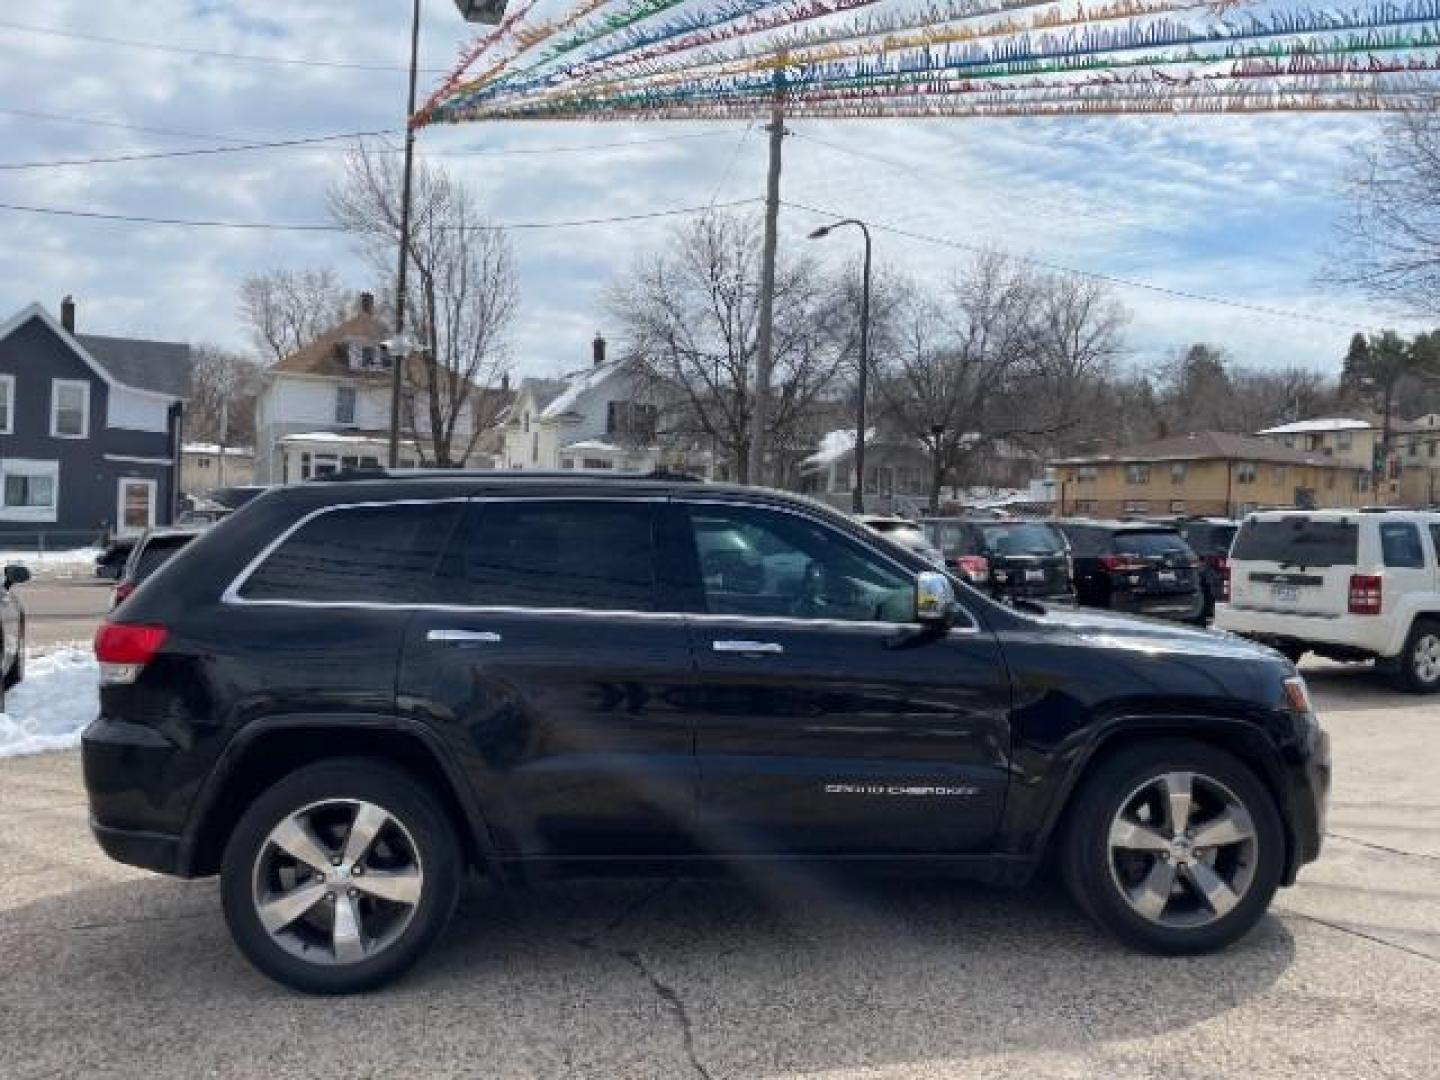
(380, 473)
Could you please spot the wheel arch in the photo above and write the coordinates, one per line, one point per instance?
(272, 748)
(1243, 740)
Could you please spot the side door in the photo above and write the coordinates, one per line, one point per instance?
(548, 664)
(829, 722)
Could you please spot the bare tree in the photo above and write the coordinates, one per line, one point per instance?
(689, 319)
(285, 310)
(1006, 356)
(1390, 236)
(461, 296)
(224, 386)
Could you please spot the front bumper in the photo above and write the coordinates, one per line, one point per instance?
(1309, 798)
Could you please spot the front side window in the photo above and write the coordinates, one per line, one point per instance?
(29, 490)
(764, 563)
(591, 555)
(69, 409)
(376, 554)
(1400, 545)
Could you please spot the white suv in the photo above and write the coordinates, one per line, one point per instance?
(1347, 584)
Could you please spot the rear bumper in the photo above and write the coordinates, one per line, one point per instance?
(135, 847)
(137, 809)
(1364, 634)
(1161, 605)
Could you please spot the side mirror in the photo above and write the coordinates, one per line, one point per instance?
(15, 574)
(934, 599)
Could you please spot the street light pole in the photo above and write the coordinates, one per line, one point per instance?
(398, 363)
(857, 498)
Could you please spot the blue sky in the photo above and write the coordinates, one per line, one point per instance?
(1237, 206)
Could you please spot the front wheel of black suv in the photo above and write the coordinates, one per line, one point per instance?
(1419, 661)
(1173, 846)
(340, 876)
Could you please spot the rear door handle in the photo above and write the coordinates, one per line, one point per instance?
(463, 637)
(769, 648)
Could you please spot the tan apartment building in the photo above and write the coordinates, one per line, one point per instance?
(1414, 474)
(1204, 473)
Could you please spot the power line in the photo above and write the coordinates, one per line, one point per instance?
(1112, 279)
(269, 226)
(83, 121)
(213, 54)
(316, 142)
(202, 151)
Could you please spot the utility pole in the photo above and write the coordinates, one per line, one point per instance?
(765, 335)
(399, 362)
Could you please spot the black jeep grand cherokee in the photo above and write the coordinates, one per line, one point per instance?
(349, 693)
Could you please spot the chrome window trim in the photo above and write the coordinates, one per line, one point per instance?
(232, 596)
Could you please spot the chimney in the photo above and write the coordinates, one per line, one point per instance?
(598, 345)
(67, 314)
(367, 303)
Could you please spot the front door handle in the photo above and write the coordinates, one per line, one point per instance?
(463, 637)
(768, 648)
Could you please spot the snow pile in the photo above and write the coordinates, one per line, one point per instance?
(75, 559)
(50, 708)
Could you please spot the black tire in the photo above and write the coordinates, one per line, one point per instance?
(1085, 859)
(405, 800)
(1411, 673)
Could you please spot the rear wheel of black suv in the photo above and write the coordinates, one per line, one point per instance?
(340, 876)
(1419, 661)
(1173, 846)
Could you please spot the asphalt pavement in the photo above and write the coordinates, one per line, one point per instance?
(63, 610)
(107, 971)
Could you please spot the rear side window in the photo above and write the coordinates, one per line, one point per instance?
(953, 538)
(1151, 544)
(591, 555)
(1400, 545)
(384, 554)
(1298, 541)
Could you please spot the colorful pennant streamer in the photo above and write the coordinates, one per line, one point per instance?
(684, 59)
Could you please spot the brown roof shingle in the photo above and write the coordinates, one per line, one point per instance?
(1202, 445)
(322, 357)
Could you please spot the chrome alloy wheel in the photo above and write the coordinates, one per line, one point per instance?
(1183, 850)
(337, 882)
(1426, 659)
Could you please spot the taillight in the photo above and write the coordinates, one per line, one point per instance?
(1365, 594)
(123, 650)
(1121, 564)
(974, 567)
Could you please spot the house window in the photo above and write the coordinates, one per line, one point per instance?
(1085, 474)
(594, 463)
(1137, 507)
(1177, 506)
(345, 404)
(202, 463)
(1177, 473)
(69, 408)
(1362, 482)
(1343, 440)
(1137, 474)
(534, 447)
(29, 490)
(1084, 506)
(630, 418)
(1245, 472)
(7, 407)
(526, 427)
(1290, 441)
(1282, 474)
(1434, 448)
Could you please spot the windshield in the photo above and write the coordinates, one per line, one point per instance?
(1300, 541)
(1023, 538)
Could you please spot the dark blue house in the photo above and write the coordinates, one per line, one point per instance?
(90, 429)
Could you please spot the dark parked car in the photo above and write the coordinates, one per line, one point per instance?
(349, 693)
(12, 629)
(1007, 558)
(152, 551)
(1135, 566)
(1210, 539)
